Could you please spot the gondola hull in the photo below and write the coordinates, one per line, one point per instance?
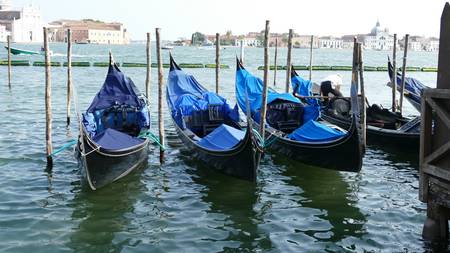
(102, 167)
(380, 136)
(241, 161)
(344, 154)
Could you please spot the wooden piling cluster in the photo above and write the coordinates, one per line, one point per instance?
(434, 171)
(148, 51)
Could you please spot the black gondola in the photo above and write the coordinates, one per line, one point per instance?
(383, 126)
(413, 87)
(332, 147)
(209, 128)
(112, 139)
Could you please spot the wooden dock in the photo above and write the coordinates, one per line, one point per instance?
(434, 179)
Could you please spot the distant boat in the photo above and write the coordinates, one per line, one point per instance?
(167, 47)
(81, 42)
(16, 51)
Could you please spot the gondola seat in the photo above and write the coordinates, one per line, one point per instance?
(112, 139)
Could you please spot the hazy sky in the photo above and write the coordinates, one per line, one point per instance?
(179, 18)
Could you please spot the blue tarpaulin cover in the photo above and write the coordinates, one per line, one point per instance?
(185, 95)
(222, 138)
(412, 85)
(115, 140)
(313, 131)
(304, 88)
(118, 89)
(250, 86)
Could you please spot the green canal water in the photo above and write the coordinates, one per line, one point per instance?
(184, 206)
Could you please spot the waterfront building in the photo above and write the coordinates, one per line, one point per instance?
(304, 41)
(24, 25)
(330, 42)
(378, 39)
(248, 41)
(3, 33)
(89, 31)
(432, 44)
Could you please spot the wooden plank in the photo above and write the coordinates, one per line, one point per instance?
(311, 57)
(437, 93)
(438, 153)
(443, 77)
(437, 172)
(363, 95)
(443, 115)
(425, 147)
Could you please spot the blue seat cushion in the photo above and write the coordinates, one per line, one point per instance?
(115, 140)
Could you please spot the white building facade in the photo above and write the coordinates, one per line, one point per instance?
(25, 25)
(330, 42)
(379, 39)
(3, 33)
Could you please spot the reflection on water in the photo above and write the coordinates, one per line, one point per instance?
(103, 214)
(235, 199)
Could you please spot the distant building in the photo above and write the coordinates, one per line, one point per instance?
(248, 42)
(3, 33)
(89, 31)
(330, 42)
(304, 41)
(432, 45)
(378, 39)
(23, 25)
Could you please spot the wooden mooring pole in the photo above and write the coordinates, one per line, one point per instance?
(217, 61)
(160, 95)
(402, 90)
(363, 95)
(148, 51)
(262, 120)
(289, 61)
(434, 170)
(9, 60)
(311, 57)
(69, 74)
(275, 63)
(48, 101)
(394, 76)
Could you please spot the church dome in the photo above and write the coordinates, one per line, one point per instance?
(377, 29)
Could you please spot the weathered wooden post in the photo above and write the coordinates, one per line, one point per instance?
(434, 176)
(394, 76)
(160, 95)
(402, 90)
(217, 61)
(275, 63)
(69, 73)
(289, 63)
(363, 95)
(48, 101)
(242, 52)
(9, 60)
(266, 81)
(311, 57)
(149, 66)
